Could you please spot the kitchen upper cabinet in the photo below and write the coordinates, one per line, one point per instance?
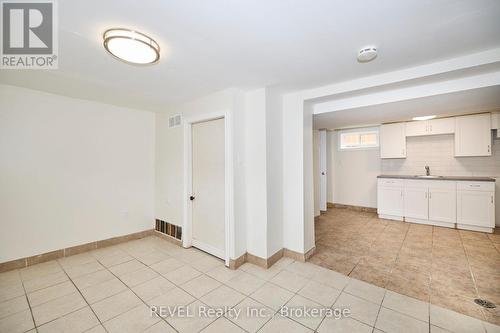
(416, 128)
(430, 127)
(476, 206)
(390, 200)
(393, 140)
(473, 135)
(495, 120)
(441, 126)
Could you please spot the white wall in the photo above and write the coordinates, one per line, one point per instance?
(274, 147)
(437, 152)
(293, 174)
(255, 172)
(352, 174)
(71, 172)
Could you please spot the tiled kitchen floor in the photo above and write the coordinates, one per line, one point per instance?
(447, 267)
(111, 289)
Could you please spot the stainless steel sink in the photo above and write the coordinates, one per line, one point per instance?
(429, 177)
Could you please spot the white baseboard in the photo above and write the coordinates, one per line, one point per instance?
(437, 223)
(391, 217)
(474, 228)
(208, 248)
(429, 222)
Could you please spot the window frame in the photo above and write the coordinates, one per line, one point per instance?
(359, 132)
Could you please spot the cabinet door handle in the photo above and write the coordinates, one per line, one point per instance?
(491, 199)
(488, 148)
(430, 195)
(431, 128)
(426, 195)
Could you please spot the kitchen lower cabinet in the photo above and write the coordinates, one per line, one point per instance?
(390, 203)
(416, 200)
(448, 203)
(476, 206)
(430, 202)
(443, 202)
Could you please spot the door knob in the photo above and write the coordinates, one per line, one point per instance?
(191, 198)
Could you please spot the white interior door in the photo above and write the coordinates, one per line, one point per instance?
(322, 170)
(208, 211)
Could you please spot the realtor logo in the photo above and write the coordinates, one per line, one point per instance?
(29, 35)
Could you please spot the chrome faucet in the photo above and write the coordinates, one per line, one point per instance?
(427, 170)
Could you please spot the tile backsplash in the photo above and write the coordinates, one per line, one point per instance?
(437, 152)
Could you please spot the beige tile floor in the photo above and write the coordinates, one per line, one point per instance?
(112, 289)
(445, 267)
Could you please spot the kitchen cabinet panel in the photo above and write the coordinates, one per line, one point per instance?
(416, 203)
(473, 135)
(416, 128)
(430, 127)
(475, 207)
(393, 141)
(442, 205)
(390, 200)
(495, 120)
(441, 126)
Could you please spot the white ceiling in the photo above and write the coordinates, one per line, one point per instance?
(463, 102)
(212, 45)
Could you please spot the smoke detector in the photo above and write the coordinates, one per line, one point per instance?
(367, 53)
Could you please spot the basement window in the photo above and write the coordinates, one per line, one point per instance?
(360, 138)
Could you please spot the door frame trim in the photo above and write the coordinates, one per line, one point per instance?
(187, 236)
(323, 170)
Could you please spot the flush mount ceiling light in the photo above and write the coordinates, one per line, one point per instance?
(424, 118)
(367, 53)
(131, 46)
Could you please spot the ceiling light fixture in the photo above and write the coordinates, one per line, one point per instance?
(424, 118)
(367, 53)
(131, 46)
